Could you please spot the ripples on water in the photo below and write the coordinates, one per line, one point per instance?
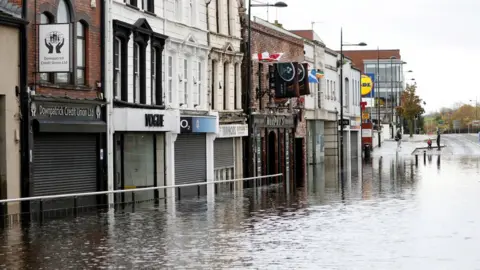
(394, 216)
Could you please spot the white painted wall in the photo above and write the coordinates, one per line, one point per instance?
(330, 93)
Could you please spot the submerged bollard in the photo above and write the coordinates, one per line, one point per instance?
(416, 160)
(425, 157)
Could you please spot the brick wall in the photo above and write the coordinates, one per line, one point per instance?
(80, 11)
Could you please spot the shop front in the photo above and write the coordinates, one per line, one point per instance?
(273, 145)
(140, 151)
(315, 141)
(67, 149)
(228, 154)
(194, 153)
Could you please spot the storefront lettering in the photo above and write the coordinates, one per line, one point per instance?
(278, 121)
(66, 111)
(153, 120)
(233, 130)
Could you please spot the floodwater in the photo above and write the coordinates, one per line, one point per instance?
(390, 214)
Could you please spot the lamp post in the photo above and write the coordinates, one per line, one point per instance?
(391, 94)
(249, 72)
(341, 100)
(377, 94)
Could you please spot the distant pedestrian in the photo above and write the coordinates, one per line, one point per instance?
(438, 138)
(398, 138)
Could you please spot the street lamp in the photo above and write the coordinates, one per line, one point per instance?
(341, 100)
(249, 66)
(391, 92)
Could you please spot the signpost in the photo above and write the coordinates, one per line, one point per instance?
(344, 122)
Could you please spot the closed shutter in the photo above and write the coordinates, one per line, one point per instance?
(190, 163)
(223, 153)
(64, 163)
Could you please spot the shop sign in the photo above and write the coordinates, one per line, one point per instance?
(65, 111)
(274, 121)
(226, 131)
(54, 47)
(198, 124)
(154, 120)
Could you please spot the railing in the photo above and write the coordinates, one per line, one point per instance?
(75, 196)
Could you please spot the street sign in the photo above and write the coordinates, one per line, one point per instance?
(365, 115)
(344, 122)
(476, 123)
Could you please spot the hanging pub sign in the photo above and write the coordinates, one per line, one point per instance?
(303, 81)
(285, 80)
(54, 47)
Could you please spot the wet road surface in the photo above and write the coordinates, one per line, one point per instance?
(392, 214)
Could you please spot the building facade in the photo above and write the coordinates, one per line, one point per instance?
(225, 87)
(331, 104)
(66, 107)
(278, 138)
(12, 93)
(162, 125)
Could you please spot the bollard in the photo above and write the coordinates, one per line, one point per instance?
(133, 197)
(425, 157)
(41, 211)
(416, 160)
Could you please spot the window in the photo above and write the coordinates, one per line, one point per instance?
(136, 73)
(199, 83)
(117, 68)
(346, 92)
(153, 87)
(63, 16)
(217, 9)
(177, 8)
(229, 23)
(235, 87)
(212, 90)
(185, 81)
(46, 19)
(81, 55)
(148, 5)
(192, 13)
(334, 94)
(226, 87)
(131, 2)
(170, 79)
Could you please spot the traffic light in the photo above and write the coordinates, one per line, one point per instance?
(304, 87)
(285, 80)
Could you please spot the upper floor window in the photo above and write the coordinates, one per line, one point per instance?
(46, 19)
(148, 5)
(117, 68)
(170, 79)
(218, 19)
(177, 10)
(199, 83)
(81, 55)
(156, 91)
(185, 81)
(131, 2)
(63, 16)
(229, 14)
(136, 73)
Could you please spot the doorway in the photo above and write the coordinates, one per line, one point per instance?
(299, 162)
(271, 154)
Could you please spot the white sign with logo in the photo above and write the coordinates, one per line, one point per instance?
(54, 47)
(227, 131)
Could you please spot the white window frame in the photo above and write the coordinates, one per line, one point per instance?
(170, 78)
(118, 71)
(153, 87)
(185, 81)
(199, 82)
(136, 73)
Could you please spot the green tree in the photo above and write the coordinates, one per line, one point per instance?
(411, 106)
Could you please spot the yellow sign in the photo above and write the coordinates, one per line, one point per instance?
(365, 115)
(367, 85)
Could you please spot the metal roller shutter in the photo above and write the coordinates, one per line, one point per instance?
(191, 162)
(64, 163)
(223, 153)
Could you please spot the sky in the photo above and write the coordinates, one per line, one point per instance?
(439, 39)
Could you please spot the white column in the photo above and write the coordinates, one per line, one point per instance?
(210, 140)
(170, 139)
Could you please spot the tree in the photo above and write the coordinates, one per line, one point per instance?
(411, 106)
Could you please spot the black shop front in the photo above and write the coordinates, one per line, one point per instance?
(67, 150)
(272, 145)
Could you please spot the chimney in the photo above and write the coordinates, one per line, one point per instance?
(276, 23)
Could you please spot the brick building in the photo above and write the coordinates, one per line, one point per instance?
(279, 129)
(65, 106)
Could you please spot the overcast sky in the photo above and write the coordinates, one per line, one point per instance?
(439, 39)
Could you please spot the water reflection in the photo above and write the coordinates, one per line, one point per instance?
(393, 213)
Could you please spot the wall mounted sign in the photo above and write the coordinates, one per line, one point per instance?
(274, 121)
(61, 110)
(198, 124)
(54, 47)
(153, 120)
(228, 131)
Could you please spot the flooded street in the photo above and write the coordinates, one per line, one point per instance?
(391, 214)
